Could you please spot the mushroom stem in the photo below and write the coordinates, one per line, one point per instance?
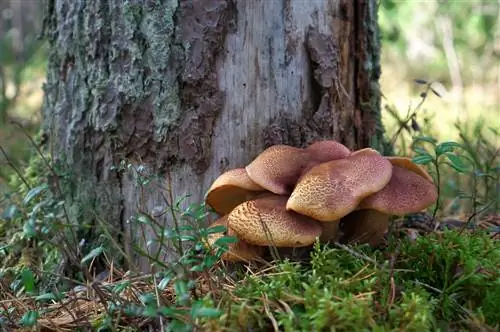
(364, 226)
(330, 231)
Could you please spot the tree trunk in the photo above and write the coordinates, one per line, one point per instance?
(188, 89)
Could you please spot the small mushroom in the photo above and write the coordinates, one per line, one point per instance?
(239, 251)
(406, 192)
(407, 163)
(331, 190)
(410, 190)
(231, 189)
(366, 152)
(328, 150)
(265, 221)
(278, 168)
(364, 226)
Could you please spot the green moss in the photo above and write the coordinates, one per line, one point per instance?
(437, 278)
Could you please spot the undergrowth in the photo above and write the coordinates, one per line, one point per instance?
(446, 279)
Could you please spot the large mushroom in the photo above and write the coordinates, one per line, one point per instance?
(278, 168)
(410, 190)
(264, 221)
(331, 190)
(231, 189)
(366, 221)
(239, 251)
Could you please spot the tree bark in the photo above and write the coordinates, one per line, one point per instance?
(189, 89)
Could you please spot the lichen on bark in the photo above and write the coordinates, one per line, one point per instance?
(127, 80)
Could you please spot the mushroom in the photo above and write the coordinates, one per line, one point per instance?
(231, 189)
(410, 165)
(328, 150)
(366, 152)
(278, 168)
(408, 191)
(265, 221)
(239, 251)
(364, 226)
(331, 190)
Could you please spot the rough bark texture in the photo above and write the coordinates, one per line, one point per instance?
(192, 88)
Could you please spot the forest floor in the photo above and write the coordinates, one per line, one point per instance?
(420, 279)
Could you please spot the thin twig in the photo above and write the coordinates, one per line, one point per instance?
(14, 167)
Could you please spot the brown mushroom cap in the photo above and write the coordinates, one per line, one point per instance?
(231, 189)
(364, 226)
(331, 190)
(239, 251)
(328, 150)
(407, 163)
(366, 152)
(406, 192)
(277, 168)
(265, 221)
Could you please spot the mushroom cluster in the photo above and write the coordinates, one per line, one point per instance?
(288, 197)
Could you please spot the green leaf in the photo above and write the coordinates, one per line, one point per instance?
(180, 200)
(170, 312)
(445, 147)
(147, 299)
(421, 81)
(216, 229)
(457, 163)
(225, 240)
(34, 192)
(120, 287)
(143, 219)
(28, 280)
(210, 261)
(164, 283)
(423, 159)
(180, 287)
(425, 139)
(187, 238)
(435, 92)
(420, 150)
(93, 254)
(149, 311)
(206, 312)
(29, 318)
(196, 268)
(10, 212)
(29, 228)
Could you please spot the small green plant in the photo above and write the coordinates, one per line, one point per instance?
(442, 153)
(457, 158)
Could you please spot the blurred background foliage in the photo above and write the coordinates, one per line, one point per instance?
(23, 59)
(455, 44)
